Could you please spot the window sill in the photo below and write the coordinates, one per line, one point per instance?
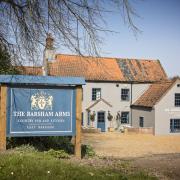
(173, 132)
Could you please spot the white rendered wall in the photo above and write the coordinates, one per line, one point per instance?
(147, 114)
(112, 94)
(165, 110)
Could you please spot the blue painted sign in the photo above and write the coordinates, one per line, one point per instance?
(41, 111)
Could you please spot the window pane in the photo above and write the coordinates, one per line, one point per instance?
(124, 117)
(175, 125)
(177, 99)
(101, 117)
(96, 94)
(141, 121)
(125, 94)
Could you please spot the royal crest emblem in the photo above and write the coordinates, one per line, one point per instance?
(41, 101)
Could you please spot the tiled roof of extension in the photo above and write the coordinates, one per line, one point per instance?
(153, 94)
(103, 69)
(30, 70)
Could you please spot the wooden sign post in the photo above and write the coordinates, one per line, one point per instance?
(3, 101)
(40, 106)
(78, 121)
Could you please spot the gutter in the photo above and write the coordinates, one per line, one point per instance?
(123, 82)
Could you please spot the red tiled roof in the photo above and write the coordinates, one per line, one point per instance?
(141, 70)
(104, 69)
(153, 94)
(29, 70)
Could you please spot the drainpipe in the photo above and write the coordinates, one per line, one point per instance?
(131, 102)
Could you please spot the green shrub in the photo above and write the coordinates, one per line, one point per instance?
(25, 148)
(60, 154)
(43, 143)
(87, 151)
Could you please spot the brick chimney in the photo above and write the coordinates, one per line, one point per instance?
(49, 53)
(49, 41)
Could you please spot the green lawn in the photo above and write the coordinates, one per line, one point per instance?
(38, 165)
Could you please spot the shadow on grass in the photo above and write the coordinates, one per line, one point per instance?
(43, 143)
(48, 143)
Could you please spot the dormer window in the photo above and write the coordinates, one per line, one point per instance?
(177, 99)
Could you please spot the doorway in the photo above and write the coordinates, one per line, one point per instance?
(101, 120)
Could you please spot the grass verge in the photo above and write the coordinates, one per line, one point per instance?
(42, 166)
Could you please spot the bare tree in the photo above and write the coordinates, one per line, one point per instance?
(76, 24)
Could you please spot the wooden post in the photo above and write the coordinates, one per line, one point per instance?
(78, 121)
(3, 102)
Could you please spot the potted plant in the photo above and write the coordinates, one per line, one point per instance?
(92, 118)
(118, 119)
(110, 118)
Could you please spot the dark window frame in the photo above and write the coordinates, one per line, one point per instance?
(177, 99)
(125, 94)
(95, 95)
(174, 125)
(125, 119)
(141, 121)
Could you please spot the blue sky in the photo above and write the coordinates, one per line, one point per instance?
(159, 22)
(160, 38)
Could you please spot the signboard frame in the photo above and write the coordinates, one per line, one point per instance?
(8, 81)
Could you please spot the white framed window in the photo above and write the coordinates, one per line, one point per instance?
(125, 94)
(96, 94)
(174, 125)
(177, 100)
(124, 117)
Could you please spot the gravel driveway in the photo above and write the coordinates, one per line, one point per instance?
(159, 155)
(133, 145)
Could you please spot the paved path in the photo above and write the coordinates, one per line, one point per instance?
(133, 145)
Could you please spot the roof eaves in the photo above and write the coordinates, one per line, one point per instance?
(122, 81)
(141, 106)
(165, 92)
(162, 68)
(158, 99)
(96, 102)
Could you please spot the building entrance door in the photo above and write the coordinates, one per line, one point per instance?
(101, 121)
